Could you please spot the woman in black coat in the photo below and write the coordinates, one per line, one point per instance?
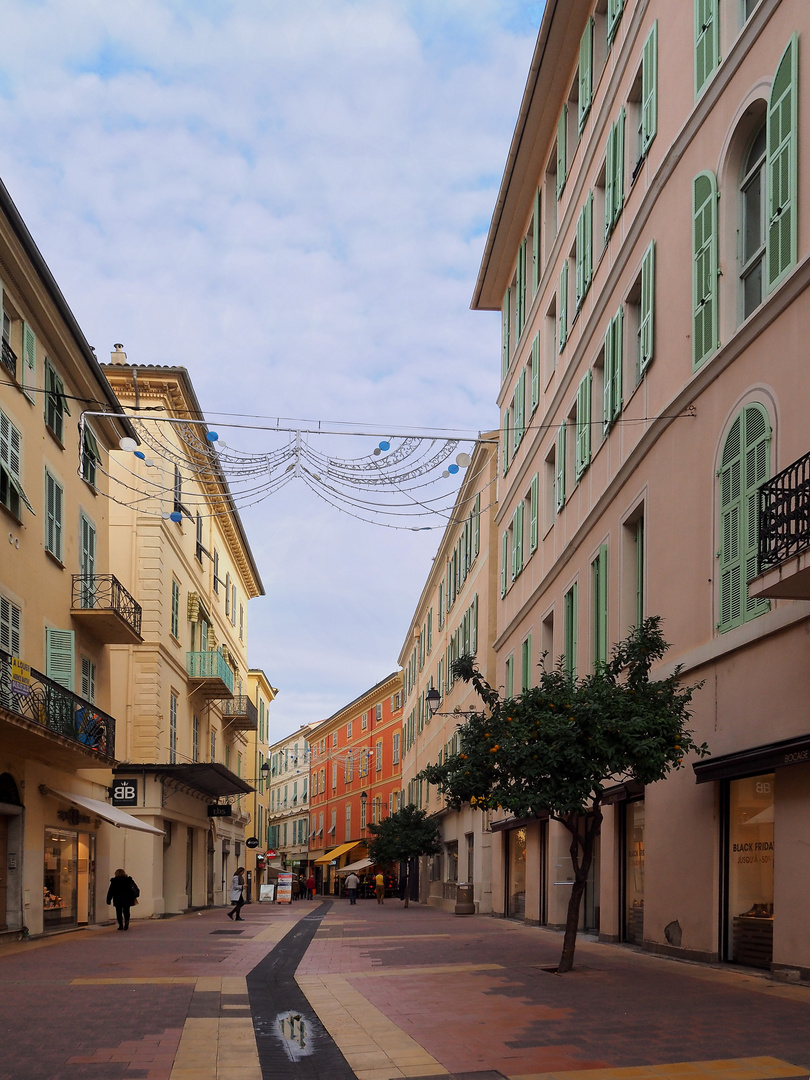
(123, 892)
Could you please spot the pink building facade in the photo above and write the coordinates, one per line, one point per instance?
(650, 254)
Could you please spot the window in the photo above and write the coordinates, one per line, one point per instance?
(614, 14)
(334, 738)
(378, 756)
(562, 152)
(53, 518)
(509, 676)
(504, 577)
(216, 572)
(782, 155)
(599, 577)
(520, 290)
(583, 425)
(705, 267)
(643, 99)
(227, 595)
(29, 360)
(752, 224)
(55, 403)
(570, 630)
(349, 727)
(10, 623)
(632, 595)
(534, 233)
(612, 373)
(559, 471)
(707, 42)
(517, 540)
(199, 549)
(562, 306)
(213, 744)
(334, 775)
(175, 609)
(526, 664)
(506, 324)
(519, 410)
(584, 250)
(195, 746)
(233, 605)
(646, 322)
(395, 748)
(172, 728)
(88, 679)
(745, 465)
(11, 491)
(506, 450)
(585, 76)
(91, 457)
(241, 622)
(178, 491)
(614, 175)
(59, 654)
(534, 508)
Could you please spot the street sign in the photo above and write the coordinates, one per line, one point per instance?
(252, 842)
(219, 810)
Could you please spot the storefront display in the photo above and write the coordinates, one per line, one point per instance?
(750, 871)
(60, 882)
(516, 883)
(634, 871)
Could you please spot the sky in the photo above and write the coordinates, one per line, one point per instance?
(291, 201)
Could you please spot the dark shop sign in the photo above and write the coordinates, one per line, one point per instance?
(219, 810)
(124, 792)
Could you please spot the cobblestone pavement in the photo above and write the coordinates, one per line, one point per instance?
(382, 992)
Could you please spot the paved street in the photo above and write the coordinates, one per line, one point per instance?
(325, 991)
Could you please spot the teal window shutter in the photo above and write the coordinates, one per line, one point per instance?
(599, 569)
(707, 51)
(570, 630)
(612, 404)
(585, 79)
(704, 271)
(563, 305)
(535, 389)
(474, 625)
(583, 456)
(476, 536)
(649, 90)
(745, 465)
(610, 179)
(59, 656)
(559, 478)
(520, 408)
(505, 327)
(515, 544)
(584, 249)
(521, 509)
(28, 368)
(53, 516)
(782, 139)
(607, 381)
(614, 14)
(526, 664)
(504, 563)
(639, 571)
(534, 507)
(536, 243)
(520, 314)
(646, 337)
(505, 441)
(87, 565)
(562, 153)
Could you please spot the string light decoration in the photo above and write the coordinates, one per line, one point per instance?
(180, 467)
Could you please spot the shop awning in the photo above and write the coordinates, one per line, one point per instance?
(361, 864)
(208, 778)
(756, 760)
(120, 818)
(335, 853)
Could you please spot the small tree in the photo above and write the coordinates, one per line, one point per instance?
(401, 837)
(557, 747)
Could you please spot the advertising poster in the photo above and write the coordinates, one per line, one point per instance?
(284, 895)
(266, 893)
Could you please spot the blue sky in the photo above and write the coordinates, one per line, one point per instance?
(290, 200)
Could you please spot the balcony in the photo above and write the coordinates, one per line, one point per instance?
(51, 723)
(8, 359)
(209, 673)
(241, 714)
(102, 605)
(783, 558)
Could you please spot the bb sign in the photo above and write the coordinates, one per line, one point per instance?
(124, 792)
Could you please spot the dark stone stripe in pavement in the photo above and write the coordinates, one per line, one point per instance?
(274, 993)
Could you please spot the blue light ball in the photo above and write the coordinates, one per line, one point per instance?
(212, 436)
(140, 454)
(176, 516)
(385, 445)
(452, 468)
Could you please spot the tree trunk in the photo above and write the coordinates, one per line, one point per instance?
(582, 846)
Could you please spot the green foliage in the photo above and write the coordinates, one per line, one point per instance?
(403, 836)
(558, 745)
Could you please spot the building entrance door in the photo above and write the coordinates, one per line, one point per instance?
(516, 874)
(60, 894)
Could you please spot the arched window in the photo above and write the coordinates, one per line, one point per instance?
(744, 466)
(752, 224)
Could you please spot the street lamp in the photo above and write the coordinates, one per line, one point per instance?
(363, 801)
(433, 699)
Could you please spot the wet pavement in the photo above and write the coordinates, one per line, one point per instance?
(329, 991)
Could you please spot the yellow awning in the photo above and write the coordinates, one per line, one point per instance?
(335, 853)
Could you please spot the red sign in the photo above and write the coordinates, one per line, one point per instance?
(270, 854)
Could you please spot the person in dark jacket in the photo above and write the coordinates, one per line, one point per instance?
(123, 892)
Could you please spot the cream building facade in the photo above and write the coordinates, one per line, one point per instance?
(262, 694)
(649, 253)
(288, 815)
(455, 616)
(61, 611)
(187, 717)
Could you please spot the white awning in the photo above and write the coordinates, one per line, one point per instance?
(113, 814)
(361, 864)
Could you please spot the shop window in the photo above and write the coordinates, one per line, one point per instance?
(749, 938)
(633, 878)
(516, 874)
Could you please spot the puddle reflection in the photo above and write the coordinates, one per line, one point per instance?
(295, 1034)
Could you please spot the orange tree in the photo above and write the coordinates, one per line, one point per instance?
(401, 837)
(555, 748)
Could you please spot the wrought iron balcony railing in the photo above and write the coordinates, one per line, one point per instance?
(784, 514)
(8, 358)
(243, 711)
(58, 709)
(209, 666)
(96, 592)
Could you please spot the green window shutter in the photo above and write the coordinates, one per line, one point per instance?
(579, 291)
(509, 676)
(535, 389)
(534, 505)
(476, 538)
(570, 629)
(515, 544)
(704, 271)
(583, 425)
(585, 83)
(59, 656)
(607, 381)
(28, 368)
(614, 14)
(504, 563)
(756, 470)
(563, 305)
(618, 169)
(536, 244)
(559, 480)
(520, 408)
(526, 664)
(707, 53)
(562, 152)
(10, 622)
(505, 442)
(474, 627)
(781, 169)
(618, 362)
(53, 517)
(639, 571)
(521, 289)
(649, 89)
(646, 327)
(600, 606)
(610, 179)
(505, 326)
(521, 513)
(88, 550)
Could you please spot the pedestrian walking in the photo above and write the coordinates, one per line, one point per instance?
(123, 893)
(237, 895)
(352, 881)
(379, 888)
(311, 887)
(295, 887)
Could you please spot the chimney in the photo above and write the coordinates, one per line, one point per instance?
(118, 356)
